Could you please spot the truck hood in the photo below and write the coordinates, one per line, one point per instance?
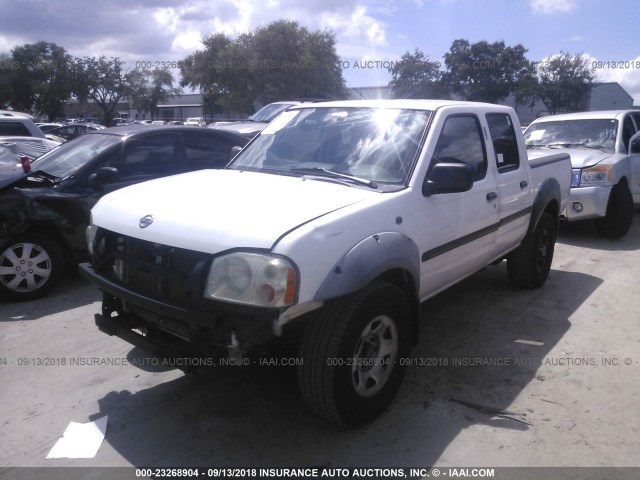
(215, 210)
(583, 157)
(580, 157)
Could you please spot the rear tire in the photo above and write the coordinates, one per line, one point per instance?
(617, 221)
(30, 266)
(528, 266)
(352, 350)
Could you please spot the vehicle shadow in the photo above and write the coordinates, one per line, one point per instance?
(253, 416)
(583, 234)
(72, 292)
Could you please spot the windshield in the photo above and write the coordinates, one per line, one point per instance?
(269, 112)
(65, 160)
(374, 145)
(597, 133)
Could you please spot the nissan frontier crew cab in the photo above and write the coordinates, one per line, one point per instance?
(337, 220)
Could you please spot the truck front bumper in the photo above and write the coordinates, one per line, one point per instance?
(587, 203)
(175, 331)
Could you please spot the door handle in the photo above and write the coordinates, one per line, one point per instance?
(523, 184)
(491, 196)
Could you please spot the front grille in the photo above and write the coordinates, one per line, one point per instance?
(169, 274)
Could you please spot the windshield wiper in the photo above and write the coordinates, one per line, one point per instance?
(330, 173)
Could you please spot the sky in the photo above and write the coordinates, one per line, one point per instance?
(370, 35)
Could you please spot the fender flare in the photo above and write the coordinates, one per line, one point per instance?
(548, 192)
(367, 260)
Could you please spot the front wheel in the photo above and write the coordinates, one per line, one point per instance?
(528, 265)
(352, 350)
(617, 221)
(30, 266)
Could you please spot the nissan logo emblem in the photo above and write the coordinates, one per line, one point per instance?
(145, 221)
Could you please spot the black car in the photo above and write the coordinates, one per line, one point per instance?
(44, 212)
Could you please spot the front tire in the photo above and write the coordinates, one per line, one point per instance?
(30, 266)
(528, 265)
(617, 221)
(352, 350)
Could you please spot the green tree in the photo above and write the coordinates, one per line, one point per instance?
(41, 78)
(203, 69)
(104, 81)
(564, 82)
(415, 76)
(279, 61)
(6, 67)
(148, 88)
(485, 71)
(289, 61)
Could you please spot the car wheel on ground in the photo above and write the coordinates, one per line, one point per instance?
(351, 352)
(528, 265)
(30, 266)
(617, 221)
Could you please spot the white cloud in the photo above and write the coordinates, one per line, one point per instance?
(553, 6)
(166, 18)
(626, 73)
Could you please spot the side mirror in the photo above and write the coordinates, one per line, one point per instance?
(103, 176)
(634, 144)
(234, 151)
(448, 178)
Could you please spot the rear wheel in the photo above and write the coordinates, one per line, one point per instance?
(30, 266)
(352, 350)
(617, 221)
(528, 266)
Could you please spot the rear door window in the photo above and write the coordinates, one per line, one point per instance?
(504, 141)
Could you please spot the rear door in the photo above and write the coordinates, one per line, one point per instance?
(514, 197)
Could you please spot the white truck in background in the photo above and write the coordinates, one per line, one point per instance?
(331, 227)
(605, 155)
(20, 137)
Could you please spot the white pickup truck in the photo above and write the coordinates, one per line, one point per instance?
(605, 153)
(336, 221)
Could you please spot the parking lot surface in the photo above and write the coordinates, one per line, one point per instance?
(500, 377)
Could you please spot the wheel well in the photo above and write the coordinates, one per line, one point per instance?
(54, 235)
(404, 281)
(553, 209)
(623, 181)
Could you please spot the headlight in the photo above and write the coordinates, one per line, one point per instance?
(252, 279)
(598, 175)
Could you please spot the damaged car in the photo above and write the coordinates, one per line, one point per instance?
(45, 205)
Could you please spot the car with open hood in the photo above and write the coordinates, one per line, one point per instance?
(45, 205)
